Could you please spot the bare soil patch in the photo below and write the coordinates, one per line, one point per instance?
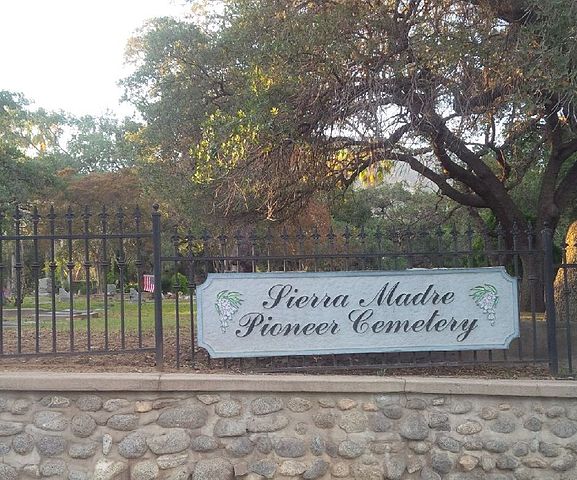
(90, 361)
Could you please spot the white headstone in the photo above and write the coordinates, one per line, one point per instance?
(45, 286)
(63, 295)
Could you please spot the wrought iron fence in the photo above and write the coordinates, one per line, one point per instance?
(48, 296)
(315, 250)
(72, 285)
(564, 304)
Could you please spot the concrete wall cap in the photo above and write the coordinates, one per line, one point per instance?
(181, 382)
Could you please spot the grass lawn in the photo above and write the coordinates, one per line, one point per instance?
(116, 311)
(130, 312)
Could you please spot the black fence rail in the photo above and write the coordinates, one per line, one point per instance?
(116, 282)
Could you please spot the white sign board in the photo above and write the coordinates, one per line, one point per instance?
(303, 313)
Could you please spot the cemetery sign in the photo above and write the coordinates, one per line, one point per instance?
(311, 313)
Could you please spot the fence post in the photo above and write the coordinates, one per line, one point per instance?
(548, 281)
(156, 241)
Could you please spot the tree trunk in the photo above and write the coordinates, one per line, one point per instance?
(566, 280)
(532, 284)
(531, 288)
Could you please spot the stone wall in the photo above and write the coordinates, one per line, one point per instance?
(317, 432)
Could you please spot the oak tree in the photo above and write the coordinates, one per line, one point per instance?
(270, 102)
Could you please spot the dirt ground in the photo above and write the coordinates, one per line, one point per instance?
(64, 361)
(94, 360)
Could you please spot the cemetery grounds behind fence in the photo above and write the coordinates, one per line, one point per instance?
(52, 305)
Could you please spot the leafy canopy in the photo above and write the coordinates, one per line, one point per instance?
(270, 102)
(41, 152)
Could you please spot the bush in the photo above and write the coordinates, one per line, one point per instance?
(80, 287)
(178, 279)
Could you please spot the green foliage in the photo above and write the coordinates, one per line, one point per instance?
(181, 281)
(23, 179)
(216, 122)
(112, 276)
(42, 153)
(176, 282)
(549, 52)
(261, 107)
(398, 208)
(28, 150)
(101, 144)
(36, 133)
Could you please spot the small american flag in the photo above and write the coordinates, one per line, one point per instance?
(148, 283)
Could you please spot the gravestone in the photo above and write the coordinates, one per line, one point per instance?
(63, 295)
(111, 289)
(133, 295)
(44, 286)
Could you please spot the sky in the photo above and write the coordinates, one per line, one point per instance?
(68, 54)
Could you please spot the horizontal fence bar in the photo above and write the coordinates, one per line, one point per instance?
(78, 353)
(63, 236)
(328, 256)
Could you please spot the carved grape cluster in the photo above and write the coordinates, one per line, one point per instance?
(486, 298)
(227, 304)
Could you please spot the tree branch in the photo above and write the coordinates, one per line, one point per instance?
(454, 170)
(466, 106)
(548, 208)
(471, 200)
(387, 143)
